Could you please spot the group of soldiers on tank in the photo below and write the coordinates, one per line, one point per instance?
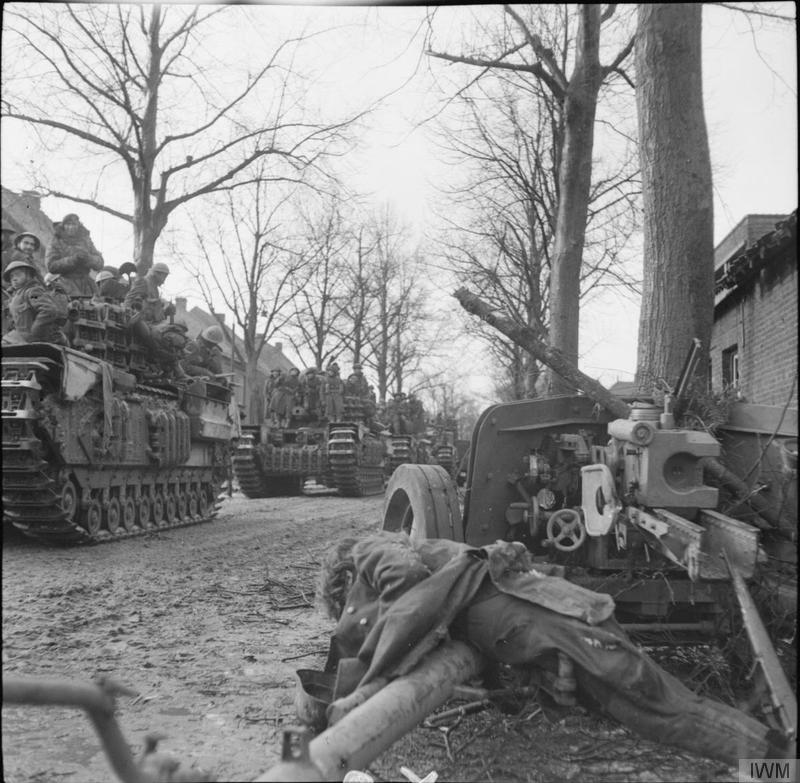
(38, 308)
(318, 395)
(405, 414)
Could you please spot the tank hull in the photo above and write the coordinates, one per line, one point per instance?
(91, 454)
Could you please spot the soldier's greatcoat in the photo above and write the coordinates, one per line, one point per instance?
(73, 257)
(407, 596)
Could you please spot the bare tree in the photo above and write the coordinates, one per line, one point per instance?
(359, 299)
(132, 85)
(677, 302)
(248, 266)
(319, 295)
(400, 332)
(502, 229)
(576, 98)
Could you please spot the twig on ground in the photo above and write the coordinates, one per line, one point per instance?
(321, 651)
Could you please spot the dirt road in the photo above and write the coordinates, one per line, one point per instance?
(208, 625)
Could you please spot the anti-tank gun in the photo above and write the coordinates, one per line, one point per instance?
(615, 494)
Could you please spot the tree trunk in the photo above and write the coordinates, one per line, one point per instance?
(145, 235)
(677, 297)
(574, 185)
(254, 401)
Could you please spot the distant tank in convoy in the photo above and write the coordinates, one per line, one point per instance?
(318, 428)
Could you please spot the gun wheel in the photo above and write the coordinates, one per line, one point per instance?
(421, 500)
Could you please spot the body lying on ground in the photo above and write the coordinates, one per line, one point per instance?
(394, 600)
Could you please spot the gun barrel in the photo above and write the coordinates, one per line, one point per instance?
(372, 727)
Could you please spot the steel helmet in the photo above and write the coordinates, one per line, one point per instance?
(127, 268)
(212, 334)
(19, 265)
(159, 267)
(104, 274)
(24, 234)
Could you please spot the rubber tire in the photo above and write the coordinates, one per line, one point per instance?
(422, 501)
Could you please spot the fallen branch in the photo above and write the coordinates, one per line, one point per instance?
(321, 651)
(526, 338)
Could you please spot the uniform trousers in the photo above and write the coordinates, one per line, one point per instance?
(622, 679)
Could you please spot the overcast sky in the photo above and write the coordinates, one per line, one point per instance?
(751, 109)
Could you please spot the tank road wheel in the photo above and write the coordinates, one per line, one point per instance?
(69, 502)
(171, 508)
(193, 505)
(113, 516)
(144, 510)
(202, 503)
(158, 509)
(92, 518)
(422, 501)
(182, 504)
(128, 514)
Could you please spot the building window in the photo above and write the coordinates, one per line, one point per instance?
(730, 367)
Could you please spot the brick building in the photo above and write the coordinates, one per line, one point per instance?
(754, 340)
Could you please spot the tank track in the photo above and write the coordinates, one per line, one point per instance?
(247, 468)
(446, 457)
(356, 469)
(57, 507)
(401, 452)
(255, 480)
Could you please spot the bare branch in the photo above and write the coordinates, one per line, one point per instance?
(756, 12)
(542, 52)
(536, 68)
(91, 203)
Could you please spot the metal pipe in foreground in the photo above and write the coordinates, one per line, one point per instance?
(363, 734)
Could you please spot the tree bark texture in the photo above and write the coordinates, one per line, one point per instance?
(677, 298)
(574, 184)
(552, 357)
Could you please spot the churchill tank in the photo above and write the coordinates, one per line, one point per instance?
(100, 444)
(347, 456)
